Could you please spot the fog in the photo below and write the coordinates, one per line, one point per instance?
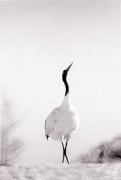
(38, 39)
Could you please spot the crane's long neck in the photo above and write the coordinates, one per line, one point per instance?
(66, 102)
(66, 84)
(64, 78)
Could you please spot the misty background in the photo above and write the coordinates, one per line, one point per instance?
(39, 39)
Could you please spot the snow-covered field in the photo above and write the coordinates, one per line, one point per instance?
(74, 171)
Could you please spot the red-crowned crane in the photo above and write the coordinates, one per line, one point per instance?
(63, 120)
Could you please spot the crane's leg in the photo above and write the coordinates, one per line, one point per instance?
(63, 151)
(65, 154)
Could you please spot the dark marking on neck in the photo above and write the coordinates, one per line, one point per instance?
(64, 78)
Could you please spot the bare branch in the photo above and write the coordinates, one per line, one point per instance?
(10, 148)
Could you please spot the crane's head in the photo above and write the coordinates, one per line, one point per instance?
(65, 72)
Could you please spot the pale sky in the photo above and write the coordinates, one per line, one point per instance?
(38, 39)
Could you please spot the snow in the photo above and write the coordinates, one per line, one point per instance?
(74, 171)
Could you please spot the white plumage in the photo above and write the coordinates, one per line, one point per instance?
(63, 120)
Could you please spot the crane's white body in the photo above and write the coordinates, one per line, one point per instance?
(62, 121)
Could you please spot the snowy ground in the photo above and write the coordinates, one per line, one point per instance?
(77, 171)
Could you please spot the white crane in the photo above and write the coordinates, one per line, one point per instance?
(63, 120)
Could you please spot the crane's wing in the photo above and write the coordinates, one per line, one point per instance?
(51, 121)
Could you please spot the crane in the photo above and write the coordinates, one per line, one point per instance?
(63, 120)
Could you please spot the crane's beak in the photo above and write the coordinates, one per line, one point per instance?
(69, 67)
(47, 137)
